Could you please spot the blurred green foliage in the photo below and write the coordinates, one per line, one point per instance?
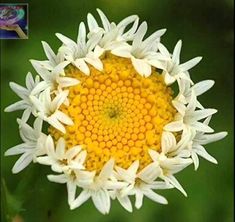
(206, 29)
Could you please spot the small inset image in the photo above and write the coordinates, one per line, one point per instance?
(13, 21)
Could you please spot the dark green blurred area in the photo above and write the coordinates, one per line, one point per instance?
(206, 28)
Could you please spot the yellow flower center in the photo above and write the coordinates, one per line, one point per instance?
(117, 113)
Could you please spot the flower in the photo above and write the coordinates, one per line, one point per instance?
(61, 160)
(81, 52)
(140, 184)
(98, 190)
(48, 109)
(143, 54)
(53, 59)
(188, 117)
(172, 69)
(32, 147)
(55, 78)
(113, 35)
(195, 146)
(24, 93)
(115, 128)
(185, 92)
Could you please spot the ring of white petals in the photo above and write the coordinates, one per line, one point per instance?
(43, 96)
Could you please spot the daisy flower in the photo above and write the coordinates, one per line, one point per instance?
(172, 69)
(115, 127)
(32, 146)
(113, 35)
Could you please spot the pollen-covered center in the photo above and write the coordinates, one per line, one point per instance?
(117, 113)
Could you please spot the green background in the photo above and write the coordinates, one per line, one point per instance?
(206, 29)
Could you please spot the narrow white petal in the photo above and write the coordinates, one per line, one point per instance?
(67, 81)
(105, 21)
(195, 160)
(67, 41)
(203, 153)
(125, 202)
(203, 86)
(176, 184)
(179, 106)
(209, 138)
(62, 117)
(190, 64)
(96, 62)
(163, 50)
(71, 189)
(45, 160)
(83, 197)
(81, 65)
(49, 52)
(101, 201)
(81, 34)
(60, 148)
(62, 178)
(22, 162)
(202, 127)
(201, 114)
(139, 199)
(149, 173)
(41, 86)
(72, 152)
(174, 126)
(168, 142)
(29, 81)
(154, 196)
(20, 105)
(50, 147)
(92, 23)
(107, 170)
(153, 154)
(56, 124)
(176, 52)
(139, 35)
(123, 51)
(169, 79)
(59, 100)
(18, 149)
(141, 66)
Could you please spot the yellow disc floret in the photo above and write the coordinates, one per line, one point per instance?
(117, 113)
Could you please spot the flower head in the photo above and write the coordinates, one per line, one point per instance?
(115, 127)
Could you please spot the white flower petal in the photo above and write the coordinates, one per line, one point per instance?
(154, 196)
(22, 162)
(125, 202)
(176, 52)
(174, 126)
(67, 81)
(141, 66)
(63, 118)
(20, 105)
(57, 178)
(80, 64)
(190, 64)
(101, 201)
(168, 141)
(83, 197)
(71, 188)
(106, 170)
(18, 149)
(60, 148)
(176, 184)
(203, 86)
(49, 52)
(138, 199)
